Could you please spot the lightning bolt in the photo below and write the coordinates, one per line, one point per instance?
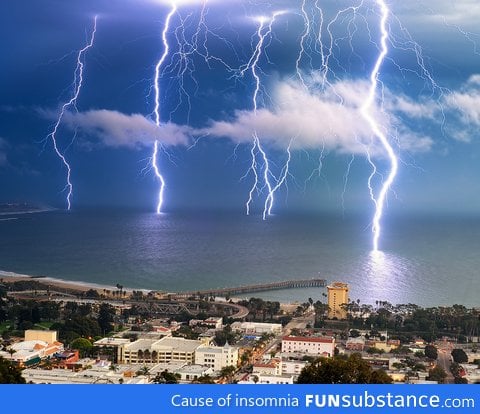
(186, 46)
(306, 21)
(72, 102)
(345, 181)
(156, 110)
(262, 33)
(379, 200)
(267, 210)
(256, 146)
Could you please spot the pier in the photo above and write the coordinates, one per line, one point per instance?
(240, 290)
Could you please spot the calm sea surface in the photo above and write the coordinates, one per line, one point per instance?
(425, 260)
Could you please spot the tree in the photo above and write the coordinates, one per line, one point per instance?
(143, 371)
(459, 356)
(227, 372)
(431, 352)
(83, 345)
(224, 336)
(77, 326)
(92, 293)
(437, 374)
(340, 370)
(373, 350)
(10, 373)
(105, 317)
(166, 377)
(204, 379)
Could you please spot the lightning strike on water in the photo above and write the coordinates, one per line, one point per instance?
(254, 169)
(283, 176)
(156, 85)
(379, 200)
(77, 82)
(345, 180)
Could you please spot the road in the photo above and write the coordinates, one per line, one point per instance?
(444, 361)
(300, 322)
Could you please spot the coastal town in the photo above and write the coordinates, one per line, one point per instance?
(53, 333)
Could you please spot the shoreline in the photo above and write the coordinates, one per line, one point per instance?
(64, 284)
(80, 286)
(13, 213)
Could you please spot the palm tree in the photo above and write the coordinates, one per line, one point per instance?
(143, 371)
(227, 372)
(11, 351)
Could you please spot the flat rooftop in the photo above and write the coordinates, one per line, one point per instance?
(177, 344)
(111, 342)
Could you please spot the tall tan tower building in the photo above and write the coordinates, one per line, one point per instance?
(337, 295)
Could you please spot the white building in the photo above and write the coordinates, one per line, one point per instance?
(310, 345)
(293, 367)
(257, 328)
(472, 373)
(189, 373)
(94, 375)
(32, 351)
(268, 379)
(216, 357)
(212, 323)
(161, 350)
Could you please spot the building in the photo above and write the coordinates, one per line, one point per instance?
(385, 346)
(257, 328)
(68, 359)
(293, 367)
(156, 351)
(93, 375)
(115, 344)
(471, 373)
(216, 357)
(272, 367)
(32, 350)
(268, 379)
(41, 335)
(355, 344)
(190, 373)
(211, 323)
(337, 296)
(309, 345)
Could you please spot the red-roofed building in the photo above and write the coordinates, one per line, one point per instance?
(310, 345)
(67, 359)
(272, 367)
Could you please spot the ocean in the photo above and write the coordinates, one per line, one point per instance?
(427, 260)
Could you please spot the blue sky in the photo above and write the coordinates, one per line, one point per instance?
(430, 114)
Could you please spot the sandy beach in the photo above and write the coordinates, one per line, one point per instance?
(62, 284)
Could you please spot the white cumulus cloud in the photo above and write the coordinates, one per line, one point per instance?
(329, 118)
(116, 129)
